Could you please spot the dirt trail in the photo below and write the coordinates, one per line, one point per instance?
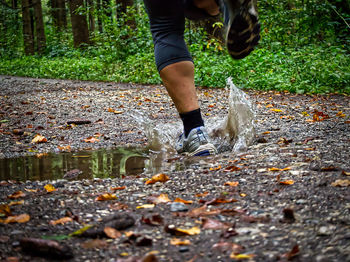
(286, 197)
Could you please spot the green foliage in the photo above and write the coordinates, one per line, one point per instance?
(304, 49)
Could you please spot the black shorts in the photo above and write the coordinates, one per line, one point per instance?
(167, 22)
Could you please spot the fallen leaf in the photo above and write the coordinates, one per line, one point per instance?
(232, 168)
(106, 196)
(202, 211)
(5, 209)
(61, 221)
(286, 182)
(213, 224)
(202, 194)
(154, 220)
(146, 206)
(23, 218)
(31, 190)
(117, 188)
(112, 232)
(345, 173)
(180, 200)
(114, 111)
(162, 198)
(276, 110)
(38, 139)
(80, 231)
(218, 201)
(50, 188)
(91, 139)
(241, 256)
(181, 231)
(288, 216)
(95, 243)
(179, 242)
(215, 168)
(293, 253)
(65, 148)
(340, 114)
(341, 182)
(157, 178)
(231, 183)
(16, 195)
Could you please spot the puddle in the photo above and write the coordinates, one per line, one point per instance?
(87, 165)
(233, 132)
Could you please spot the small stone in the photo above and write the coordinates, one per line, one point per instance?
(17, 232)
(184, 249)
(178, 207)
(324, 231)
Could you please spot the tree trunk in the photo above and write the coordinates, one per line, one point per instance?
(54, 12)
(39, 27)
(79, 23)
(62, 15)
(90, 4)
(28, 37)
(99, 19)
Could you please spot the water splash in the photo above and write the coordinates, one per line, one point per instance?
(233, 132)
(236, 131)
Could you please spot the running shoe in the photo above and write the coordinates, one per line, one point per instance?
(196, 143)
(242, 26)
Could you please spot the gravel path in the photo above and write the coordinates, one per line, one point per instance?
(285, 198)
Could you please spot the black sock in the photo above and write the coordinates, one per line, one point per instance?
(191, 120)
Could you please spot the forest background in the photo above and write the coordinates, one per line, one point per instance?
(304, 46)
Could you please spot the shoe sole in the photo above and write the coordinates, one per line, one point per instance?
(243, 32)
(204, 150)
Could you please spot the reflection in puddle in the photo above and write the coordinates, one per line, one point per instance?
(84, 164)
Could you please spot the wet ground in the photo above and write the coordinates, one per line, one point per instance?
(285, 198)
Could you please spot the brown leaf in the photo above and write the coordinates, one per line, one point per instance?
(293, 253)
(182, 232)
(5, 209)
(112, 232)
(201, 211)
(288, 216)
(106, 196)
(202, 194)
(231, 183)
(232, 168)
(91, 139)
(117, 188)
(38, 139)
(94, 243)
(179, 242)
(213, 224)
(162, 198)
(157, 178)
(16, 195)
(61, 221)
(180, 200)
(23, 218)
(286, 182)
(154, 220)
(341, 182)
